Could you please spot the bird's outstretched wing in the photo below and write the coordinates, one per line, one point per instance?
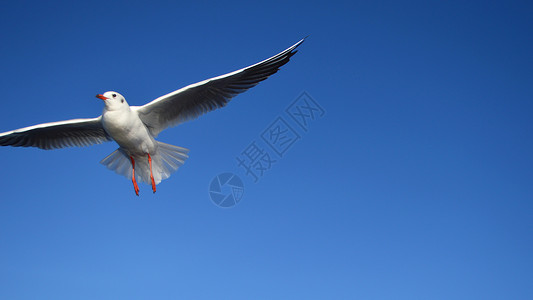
(196, 99)
(71, 133)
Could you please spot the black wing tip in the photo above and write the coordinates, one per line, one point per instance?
(272, 65)
(293, 47)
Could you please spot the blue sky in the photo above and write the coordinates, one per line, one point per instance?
(415, 184)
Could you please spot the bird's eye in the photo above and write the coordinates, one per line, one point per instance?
(114, 95)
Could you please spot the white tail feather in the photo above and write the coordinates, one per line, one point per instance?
(165, 161)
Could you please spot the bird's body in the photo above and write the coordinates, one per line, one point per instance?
(140, 157)
(127, 129)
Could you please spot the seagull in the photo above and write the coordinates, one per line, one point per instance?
(140, 157)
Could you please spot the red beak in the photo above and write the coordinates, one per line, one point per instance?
(101, 96)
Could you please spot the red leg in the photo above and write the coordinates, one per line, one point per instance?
(151, 175)
(135, 186)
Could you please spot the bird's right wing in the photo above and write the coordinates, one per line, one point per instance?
(71, 133)
(196, 99)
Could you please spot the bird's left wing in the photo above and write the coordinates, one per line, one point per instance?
(71, 133)
(196, 99)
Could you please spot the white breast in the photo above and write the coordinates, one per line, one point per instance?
(125, 127)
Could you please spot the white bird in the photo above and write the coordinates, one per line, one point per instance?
(134, 128)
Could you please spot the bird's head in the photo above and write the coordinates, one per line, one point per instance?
(113, 100)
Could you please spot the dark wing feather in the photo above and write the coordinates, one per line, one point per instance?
(71, 133)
